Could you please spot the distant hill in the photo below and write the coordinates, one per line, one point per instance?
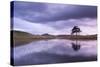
(20, 37)
(20, 33)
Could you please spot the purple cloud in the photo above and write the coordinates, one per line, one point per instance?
(34, 17)
(44, 12)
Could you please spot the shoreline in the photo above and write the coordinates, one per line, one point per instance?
(18, 37)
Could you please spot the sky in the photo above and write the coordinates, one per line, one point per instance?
(51, 18)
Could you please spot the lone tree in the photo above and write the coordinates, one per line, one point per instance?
(76, 30)
(76, 46)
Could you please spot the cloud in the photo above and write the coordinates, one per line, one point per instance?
(87, 25)
(91, 22)
(60, 28)
(44, 12)
(34, 28)
(39, 18)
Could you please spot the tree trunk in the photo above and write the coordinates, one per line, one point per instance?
(76, 35)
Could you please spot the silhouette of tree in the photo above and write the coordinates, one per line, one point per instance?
(76, 30)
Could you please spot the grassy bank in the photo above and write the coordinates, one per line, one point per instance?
(20, 38)
(78, 37)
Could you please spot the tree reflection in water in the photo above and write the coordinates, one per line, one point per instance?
(76, 46)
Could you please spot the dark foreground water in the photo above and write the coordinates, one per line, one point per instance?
(55, 51)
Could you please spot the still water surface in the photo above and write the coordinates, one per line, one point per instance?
(55, 51)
